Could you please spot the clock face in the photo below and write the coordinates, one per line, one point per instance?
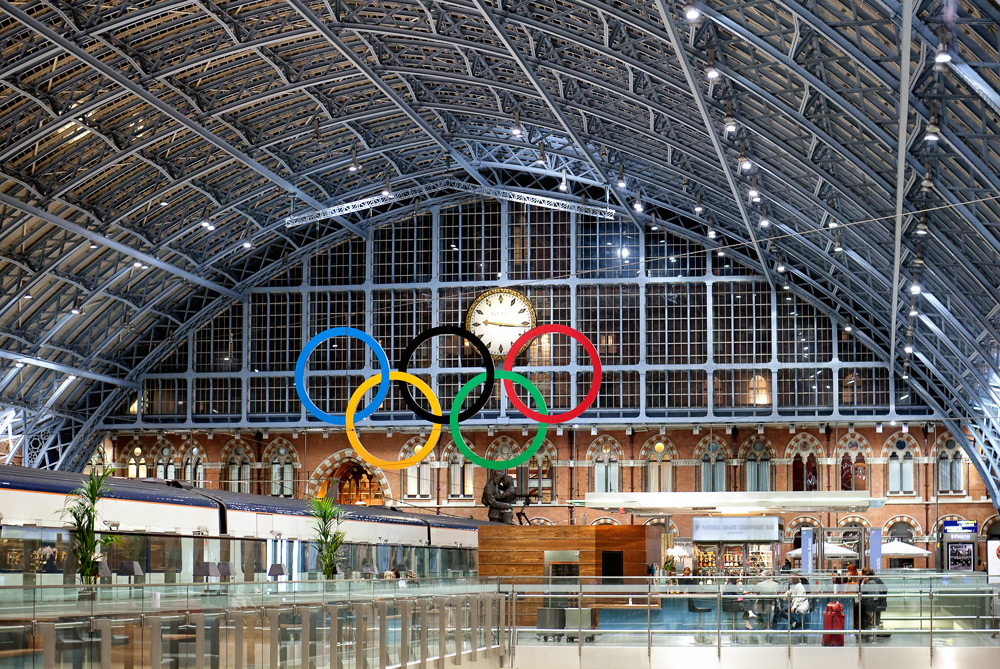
(499, 317)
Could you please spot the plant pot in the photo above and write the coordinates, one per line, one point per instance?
(86, 594)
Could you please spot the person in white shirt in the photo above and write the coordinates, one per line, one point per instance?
(799, 605)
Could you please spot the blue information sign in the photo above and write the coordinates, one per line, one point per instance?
(961, 526)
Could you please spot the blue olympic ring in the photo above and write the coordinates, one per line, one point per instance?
(300, 368)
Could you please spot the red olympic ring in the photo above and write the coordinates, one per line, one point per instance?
(595, 361)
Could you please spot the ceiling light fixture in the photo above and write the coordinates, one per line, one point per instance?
(933, 132)
(541, 160)
(922, 228)
(691, 13)
(710, 70)
(729, 124)
(712, 234)
(942, 55)
(354, 166)
(764, 220)
(563, 186)
(781, 266)
(387, 188)
(906, 370)
(908, 349)
(637, 205)
(744, 162)
(697, 204)
(516, 129)
(621, 175)
(915, 288)
(913, 310)
(18, 364)
(847, 326)
(836, 242)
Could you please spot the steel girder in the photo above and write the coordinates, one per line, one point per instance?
(268, 83)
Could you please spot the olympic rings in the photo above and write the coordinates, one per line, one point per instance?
(456, 431)
(435, 416)
(508, 366)
(300, 368)
(404, 360)
(352, 435)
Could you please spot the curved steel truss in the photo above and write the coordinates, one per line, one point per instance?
(150, 152)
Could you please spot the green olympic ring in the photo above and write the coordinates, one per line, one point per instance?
(456, 428)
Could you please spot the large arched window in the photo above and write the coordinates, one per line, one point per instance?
(659, 470)
(853, 469)
(460, 483)
(194, 469)
(901, 469)
(535, 478)
(417, 478)
(136, 465)
(282, 475)
(805, 473)
(607, 472)
(713, 469)
(165, 469)
(238, 469)
(758, 468)
(949, 468)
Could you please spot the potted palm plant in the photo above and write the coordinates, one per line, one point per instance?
(328, 535)
(86, 546)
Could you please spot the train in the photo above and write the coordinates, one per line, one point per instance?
(173, 530)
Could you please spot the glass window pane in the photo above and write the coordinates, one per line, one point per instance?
(895, 473)
(957, 483)
(907, 473)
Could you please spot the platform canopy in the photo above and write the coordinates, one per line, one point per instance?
(728, 503)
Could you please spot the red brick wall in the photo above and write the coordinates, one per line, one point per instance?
(318, 457)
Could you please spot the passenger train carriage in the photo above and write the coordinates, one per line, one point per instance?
(169, 528)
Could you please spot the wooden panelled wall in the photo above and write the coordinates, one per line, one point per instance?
(519, 551)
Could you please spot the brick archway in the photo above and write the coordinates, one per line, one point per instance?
(337, 460)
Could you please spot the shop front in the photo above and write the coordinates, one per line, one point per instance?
(735, 545)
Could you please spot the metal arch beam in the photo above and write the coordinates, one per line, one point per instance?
(675, 40)
(118, 246)
(66, 369)
(901, 153)
(529, 72)
(384, 88)
(123, 81)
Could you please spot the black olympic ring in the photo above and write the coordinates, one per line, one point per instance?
(468, 336)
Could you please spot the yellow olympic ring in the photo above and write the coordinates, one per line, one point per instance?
(352, 435)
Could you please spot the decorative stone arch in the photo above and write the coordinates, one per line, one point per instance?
(596, 448)
(854, 520)
(605, 520)
(272, 451)
(410, 446)
(539, 520)
(942, 440)
(121, 462)
(546, 450)
(230, 450)
(804, 444)
(333, 462)
(748, 443)
(844, 446)
(666, 522)
(903, 518)
(187, 447)
(938, 523)
(164, 449)
(451, 450)
(500, 442)
(702, 448)
(649, 448)
(889, 446)
(797, 523)
(985, 525)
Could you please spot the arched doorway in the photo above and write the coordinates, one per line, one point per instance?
(353, 484)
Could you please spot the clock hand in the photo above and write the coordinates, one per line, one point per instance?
(506, 325)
